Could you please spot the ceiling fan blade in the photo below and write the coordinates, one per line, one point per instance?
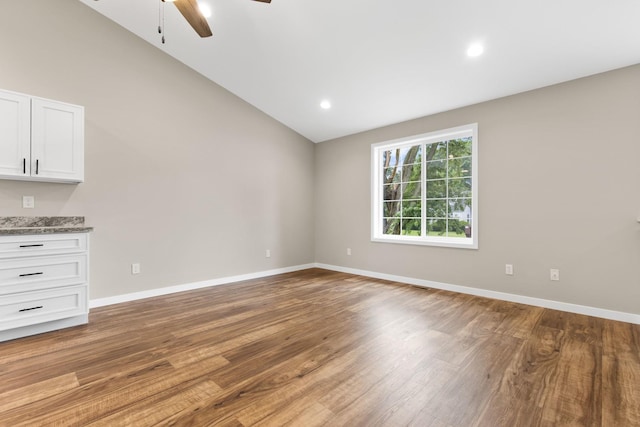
(264, 1)
(189, 9)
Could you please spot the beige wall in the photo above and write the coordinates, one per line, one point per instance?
(559, 187)
(195, 184)
(181, 175)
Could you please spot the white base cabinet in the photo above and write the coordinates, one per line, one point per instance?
(44, 283)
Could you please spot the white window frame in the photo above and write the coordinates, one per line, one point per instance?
(377, 181)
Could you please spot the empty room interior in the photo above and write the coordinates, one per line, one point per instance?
(319, 213)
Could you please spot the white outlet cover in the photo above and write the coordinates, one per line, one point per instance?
(28, 202)
(135, 268)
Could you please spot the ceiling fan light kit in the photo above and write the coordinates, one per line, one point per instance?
(192, 13)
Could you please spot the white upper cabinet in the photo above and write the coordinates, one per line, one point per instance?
(15, 134)
(40, 139)
(57, 140)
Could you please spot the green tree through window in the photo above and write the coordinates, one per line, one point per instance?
(425, 188)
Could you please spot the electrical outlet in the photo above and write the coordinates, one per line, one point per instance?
(508, 269)
(348, 251)
(267, 253)
(28, 202)
(135, 268)
(554, 274)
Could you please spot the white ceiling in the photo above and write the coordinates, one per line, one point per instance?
(383, 62)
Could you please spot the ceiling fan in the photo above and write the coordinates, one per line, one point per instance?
(191, 12)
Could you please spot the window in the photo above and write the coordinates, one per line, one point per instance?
(425, 189)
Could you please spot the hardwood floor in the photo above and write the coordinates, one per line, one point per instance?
(324, 348)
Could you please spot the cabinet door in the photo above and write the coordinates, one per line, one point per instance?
(27, 246)
(15, 138)
(57, 141)
(28, 274)
(30, 308)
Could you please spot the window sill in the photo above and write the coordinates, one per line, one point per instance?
(433, 241)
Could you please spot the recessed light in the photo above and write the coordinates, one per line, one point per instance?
(325, 105)
(476, 49)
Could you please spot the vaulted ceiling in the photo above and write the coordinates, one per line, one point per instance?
(383, 62)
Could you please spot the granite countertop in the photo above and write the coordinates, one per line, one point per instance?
(15, 225)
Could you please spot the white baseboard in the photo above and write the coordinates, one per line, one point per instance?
(192, 286)
(538, 302)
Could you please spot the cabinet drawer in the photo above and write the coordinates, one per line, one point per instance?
(42, 306)
(38, 245)
(29, 274)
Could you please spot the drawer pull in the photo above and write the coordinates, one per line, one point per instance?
(30, 274)
(32, 246)
(31, 308)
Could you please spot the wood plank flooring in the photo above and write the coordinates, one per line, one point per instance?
(317, 348)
